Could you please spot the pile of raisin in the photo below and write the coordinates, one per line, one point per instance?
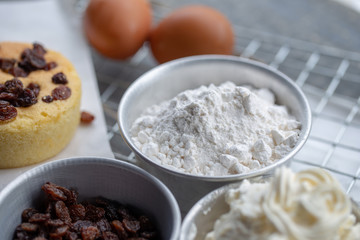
(13, 94)
(64, 218)
(30, 60)
(13, 91)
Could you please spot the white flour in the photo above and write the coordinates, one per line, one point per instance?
(216, 130)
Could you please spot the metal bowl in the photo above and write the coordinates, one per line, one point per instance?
(92, 177)
(167, 80)
(202, 216)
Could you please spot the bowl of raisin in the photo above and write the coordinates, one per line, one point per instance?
(88, 198)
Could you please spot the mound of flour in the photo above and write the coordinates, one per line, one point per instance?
(216, 130)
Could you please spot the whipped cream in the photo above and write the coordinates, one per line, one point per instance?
(293, 206)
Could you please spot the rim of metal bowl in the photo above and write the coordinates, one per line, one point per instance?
(199, 207)
(104, 161)
(306, 126)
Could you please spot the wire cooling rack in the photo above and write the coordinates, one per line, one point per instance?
(329, 78)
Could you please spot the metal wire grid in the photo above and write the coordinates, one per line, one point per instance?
(328, 77)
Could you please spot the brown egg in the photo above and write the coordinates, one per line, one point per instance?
(191, 30)
(117, 28)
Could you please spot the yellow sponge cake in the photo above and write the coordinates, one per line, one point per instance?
(40, 94)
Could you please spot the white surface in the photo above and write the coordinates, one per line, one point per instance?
(47, 23)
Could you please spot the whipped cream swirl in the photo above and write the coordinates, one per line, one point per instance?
(293, 206)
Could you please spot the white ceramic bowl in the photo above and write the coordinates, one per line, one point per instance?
(167, 80)
(92, 177)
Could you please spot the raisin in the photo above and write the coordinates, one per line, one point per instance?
(77, 212)
(21, 235)
(32, 59)
(52, 192)
(39, 217)
(59, 232)
(43, 230)
(102, 202)
(119, 228)
(90, 233)
(7, 113)
(26, 66)
(125, 213)
(35, 88)
(6, 64)
(61, 93)
(27, 213)
(47, 99)
(26, 98)
(131, 226)
(18, 72)
(39, 49)
(111, 212)
(2, 88)
(39, 238)
(9, 97)
(86, 117)
(55, 222)
(29, 227)
(4, 103)
(14, 86)
(37, 61)
(71, 195)
(78, 225)
(103, 225)
(50, 65)
(25, 63)
(71, 236)
(62, 212)
(25, 53)
(59, 78)
(109, 236)
(94, 213)
(110, 208)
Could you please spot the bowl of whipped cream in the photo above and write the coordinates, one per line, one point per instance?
(309, 204)
(200, 122)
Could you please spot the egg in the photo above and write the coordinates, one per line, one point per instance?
(191, 30)
(117, 28)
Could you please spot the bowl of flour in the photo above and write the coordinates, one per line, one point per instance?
(201, 122)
